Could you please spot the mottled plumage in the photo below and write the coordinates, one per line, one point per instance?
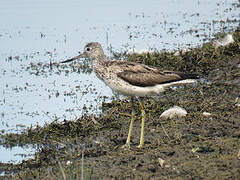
(132, 79)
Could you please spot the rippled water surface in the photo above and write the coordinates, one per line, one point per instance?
(35, 33)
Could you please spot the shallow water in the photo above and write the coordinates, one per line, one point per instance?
(34, 33)
(15, 154)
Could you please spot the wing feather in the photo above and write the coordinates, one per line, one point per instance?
(143, 75)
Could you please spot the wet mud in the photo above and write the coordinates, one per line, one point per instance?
(203, 145)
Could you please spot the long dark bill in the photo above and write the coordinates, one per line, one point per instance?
(74, 58)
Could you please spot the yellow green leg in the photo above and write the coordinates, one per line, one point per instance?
(133, 117)
(142, 127)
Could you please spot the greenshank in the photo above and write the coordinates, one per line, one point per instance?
(132, 79)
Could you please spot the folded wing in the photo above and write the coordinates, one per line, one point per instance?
(143, 76)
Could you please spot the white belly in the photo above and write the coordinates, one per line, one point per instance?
(125, 88)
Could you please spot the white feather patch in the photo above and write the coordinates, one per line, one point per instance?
(226, 40)
(175, 111)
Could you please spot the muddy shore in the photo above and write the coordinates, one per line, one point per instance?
(192, 147)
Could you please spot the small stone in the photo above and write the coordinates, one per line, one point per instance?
(161, 162)
(206, 114)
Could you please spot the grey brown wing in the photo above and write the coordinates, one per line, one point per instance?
(143, 75)
(144, 79)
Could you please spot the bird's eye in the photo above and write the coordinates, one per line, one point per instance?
(88, 49)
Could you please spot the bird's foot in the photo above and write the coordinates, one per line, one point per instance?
(126, 146)
(140, 146)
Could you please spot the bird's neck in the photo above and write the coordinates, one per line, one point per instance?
(99, 67)
(99, 60)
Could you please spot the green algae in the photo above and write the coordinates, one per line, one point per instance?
(194, 147)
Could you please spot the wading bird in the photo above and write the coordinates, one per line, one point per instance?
(132, 79)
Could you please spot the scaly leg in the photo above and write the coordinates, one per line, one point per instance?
(142, 127)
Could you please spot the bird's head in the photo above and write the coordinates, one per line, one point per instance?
(92, 50)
